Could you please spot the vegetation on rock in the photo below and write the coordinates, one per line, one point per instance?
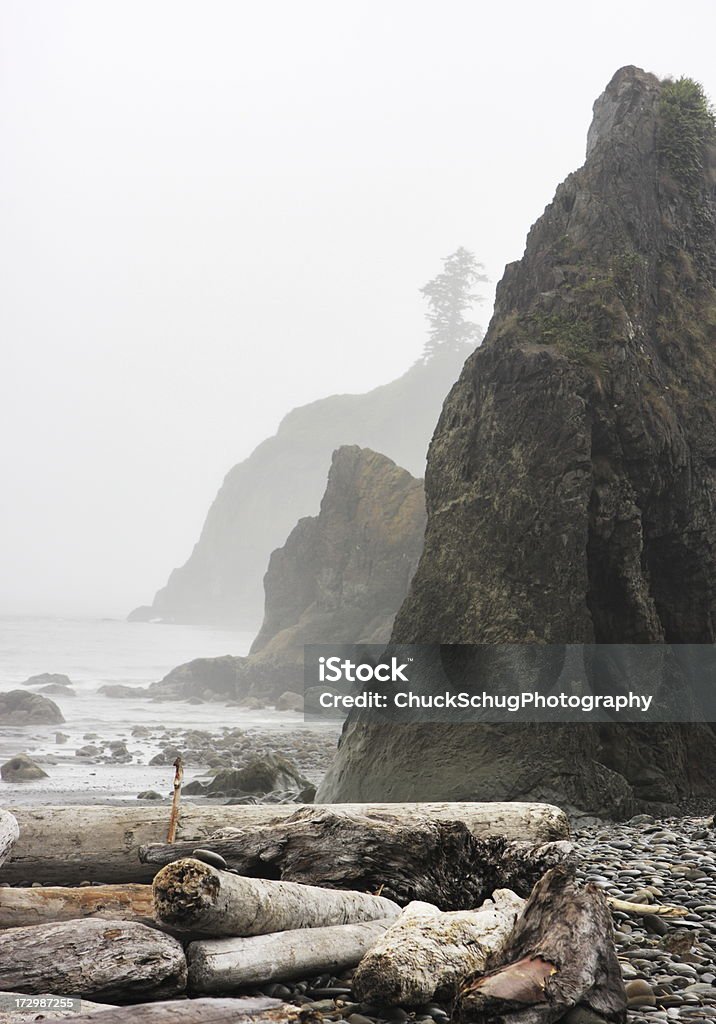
(449, 296)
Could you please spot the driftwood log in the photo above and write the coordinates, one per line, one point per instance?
(424, 954)
(561, 954)
(20, 908)
(65, 845)
(21, 1014)
(9, 833)
(195, 897)
(438, 862)
(196, 1011)
(114, 961)
(220, 966)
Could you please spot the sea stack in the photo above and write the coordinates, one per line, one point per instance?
(572, 476)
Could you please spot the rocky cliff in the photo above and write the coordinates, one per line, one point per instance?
(571, 479)
(340, 577)
(283, 480)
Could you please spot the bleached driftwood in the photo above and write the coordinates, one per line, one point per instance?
(9, 833)
(220, 966)
(20, 908)
(65, 845)
(639, 909)
(560, 954)
(195, 897)
(114, 961)
(196, 1011)
(24, 1014)
(426, 952)
(439, 862)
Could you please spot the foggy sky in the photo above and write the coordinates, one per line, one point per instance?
(215, 211)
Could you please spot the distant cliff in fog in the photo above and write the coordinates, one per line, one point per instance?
(283, 480)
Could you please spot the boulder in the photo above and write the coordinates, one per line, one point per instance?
(265, 774)
(118, 752)
(18, 707)
(120, 691)
(89, 750)
(290, 701)
(221, 676)
(60, 689)
(21, 768)
(48, 679)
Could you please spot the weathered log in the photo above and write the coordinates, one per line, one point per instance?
(195, 897)
(424, 954)
(25, 1012)
(196, 1011)
(561, 954)
(219, 966)
(64, 845)
(116, 961)
(20, 908)
(9, 832)
(438, 862)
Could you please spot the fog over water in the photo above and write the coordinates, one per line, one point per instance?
(213, 212)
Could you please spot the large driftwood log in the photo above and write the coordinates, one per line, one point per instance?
(25, 1013)
(9, 832)
(20, 908)
(561, 954)
(424, 954)
(438, 862)
(196, 1011)
(114, 961)
(65, 845)
(220, 966)
(194, 897)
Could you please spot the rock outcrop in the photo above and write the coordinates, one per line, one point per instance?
(21, 768)
(284, 478)
(48, 679)
(571, 480)
(339, 578)
(18, 707)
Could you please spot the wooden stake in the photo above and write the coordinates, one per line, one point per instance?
(174, 816)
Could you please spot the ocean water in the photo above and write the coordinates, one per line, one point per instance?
(97, 651)
(93, 652)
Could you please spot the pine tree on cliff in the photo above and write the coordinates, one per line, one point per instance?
(449, 296)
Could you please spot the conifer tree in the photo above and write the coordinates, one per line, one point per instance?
(449, 296)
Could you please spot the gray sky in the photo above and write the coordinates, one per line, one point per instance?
(215, 211)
